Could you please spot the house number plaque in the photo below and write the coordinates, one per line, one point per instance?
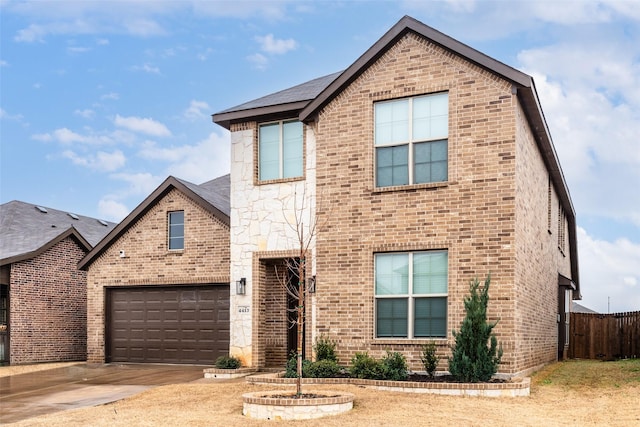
(243, 309)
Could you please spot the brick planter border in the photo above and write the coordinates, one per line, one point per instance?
(263, 405)
(518, 387)
(224, 374)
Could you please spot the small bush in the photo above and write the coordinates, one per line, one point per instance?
(394, 366)
(325, 349)
(228, 362)
(292, 367)
(366, 367)
(323, 369)
(429, 358)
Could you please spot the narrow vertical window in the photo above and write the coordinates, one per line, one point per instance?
(176, 230)
(549, 194)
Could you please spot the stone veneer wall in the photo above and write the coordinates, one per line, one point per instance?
(148, 262)
(262, 215)
(48, 311)
(472, 215)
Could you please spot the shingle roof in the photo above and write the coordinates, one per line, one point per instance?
(217, 192)
(213, 196)
(25, 229)
(291, 99)
(302, 92)
(577, 308)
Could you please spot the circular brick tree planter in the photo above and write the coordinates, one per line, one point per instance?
(275, 405)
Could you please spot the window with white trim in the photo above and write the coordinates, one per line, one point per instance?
(411, 140)
(176, 230)
(280, 150)
(411, 294)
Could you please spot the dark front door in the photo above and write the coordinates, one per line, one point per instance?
(169, 324)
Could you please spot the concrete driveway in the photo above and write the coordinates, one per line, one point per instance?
(37, 393)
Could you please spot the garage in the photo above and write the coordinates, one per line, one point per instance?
(168, 324)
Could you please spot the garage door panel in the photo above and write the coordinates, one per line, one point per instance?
(173, 324)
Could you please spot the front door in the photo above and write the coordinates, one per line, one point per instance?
(4, 324)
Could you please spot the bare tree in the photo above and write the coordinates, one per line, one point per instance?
(297, 286)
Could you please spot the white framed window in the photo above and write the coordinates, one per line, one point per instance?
(176, 230)
(411, 140)
(280, 150)
(411, 291)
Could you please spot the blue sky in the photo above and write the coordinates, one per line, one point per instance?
(101, 101)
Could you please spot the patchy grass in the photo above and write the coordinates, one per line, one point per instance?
(573, 393)
(577, 374)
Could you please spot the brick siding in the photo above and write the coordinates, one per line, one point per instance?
(48, 314)
(148, 262)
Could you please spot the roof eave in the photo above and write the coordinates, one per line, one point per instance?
(403, 26)
(225, 119)
(531, 105)
(69, 232)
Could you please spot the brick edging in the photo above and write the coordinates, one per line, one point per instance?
(514, 388)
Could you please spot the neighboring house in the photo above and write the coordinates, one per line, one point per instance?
(158, 283)
(578, 308)
(43, 298)
(426, 164)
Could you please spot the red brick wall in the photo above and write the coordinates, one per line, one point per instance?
(48, 306)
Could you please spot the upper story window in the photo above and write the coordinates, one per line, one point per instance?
(280, 150)
(176, 230)
(411, 294)
(411, 140)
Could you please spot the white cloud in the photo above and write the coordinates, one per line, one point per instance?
(609, 272)
(196, 163)
(6, 116)
(102, 42)
(4, 63)
(590, 93)
(101, 161)
(86, 113)
(142, 125)
(112, 210)
(194, 111)
(78, 49)
(146, 68)
(111, 95)
(272, 45)
(138, 184)
(259, 60)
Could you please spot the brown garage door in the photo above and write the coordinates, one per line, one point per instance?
(172, 324)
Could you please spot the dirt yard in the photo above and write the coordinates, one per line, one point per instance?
(574, 393)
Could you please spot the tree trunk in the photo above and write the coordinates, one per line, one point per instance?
(300, 321)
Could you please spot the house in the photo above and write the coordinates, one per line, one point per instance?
(158, 283)
(424, 164)
(43, 316)
(579, 308)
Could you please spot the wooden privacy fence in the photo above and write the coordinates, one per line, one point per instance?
(604, 336)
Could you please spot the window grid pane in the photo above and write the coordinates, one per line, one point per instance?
(280, 150)
(391, 317)
(430, 317)
(176, 230)
(421, 124)
(423, 278)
